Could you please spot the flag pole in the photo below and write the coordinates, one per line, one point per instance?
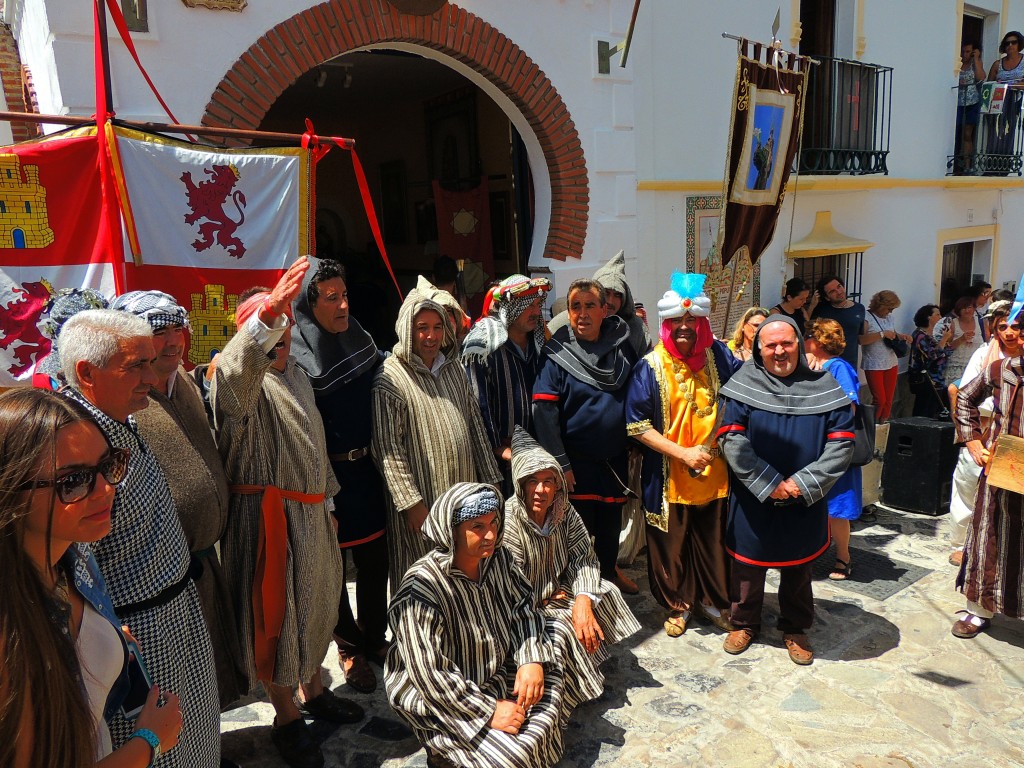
(104, 50)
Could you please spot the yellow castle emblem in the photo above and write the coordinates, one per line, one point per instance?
(213, 322)
(23, 219)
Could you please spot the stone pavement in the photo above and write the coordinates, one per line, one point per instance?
(890, 685)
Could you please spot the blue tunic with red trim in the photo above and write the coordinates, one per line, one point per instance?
(763, 449)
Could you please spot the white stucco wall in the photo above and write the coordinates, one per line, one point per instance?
(665, 117)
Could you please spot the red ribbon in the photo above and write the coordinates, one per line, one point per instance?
(312, 142)
(269, 587)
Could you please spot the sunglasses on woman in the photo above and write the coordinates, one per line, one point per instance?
(79, 483)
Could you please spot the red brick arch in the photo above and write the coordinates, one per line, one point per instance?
(300, 43)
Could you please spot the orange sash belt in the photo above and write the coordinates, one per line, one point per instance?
(268, 588)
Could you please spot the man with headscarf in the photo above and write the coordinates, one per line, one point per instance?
(552, 548)
(61, 307)
(472, 669)
(341, 360)
(992, 570)
(502, 357)
(177, 430)
(788, 436)
(579, 416)
(427, 431)
(456, 313)
(672, 408)
(280, 549)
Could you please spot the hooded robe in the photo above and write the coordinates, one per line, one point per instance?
(798, 427)
(427, 431)
(458, 645)
(559, 556)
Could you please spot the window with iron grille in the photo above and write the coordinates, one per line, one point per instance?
(847, 266)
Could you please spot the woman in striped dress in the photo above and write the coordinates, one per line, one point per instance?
(992, 572)
(472, 669)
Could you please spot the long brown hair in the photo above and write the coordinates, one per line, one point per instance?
(36, 657)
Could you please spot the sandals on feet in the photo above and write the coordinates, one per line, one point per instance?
(841, 571)
(675, 624)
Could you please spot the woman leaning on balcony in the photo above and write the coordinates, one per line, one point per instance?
(1008, 68)
(968, 110)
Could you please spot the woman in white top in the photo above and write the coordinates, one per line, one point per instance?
(878, 361)
(966, 337)
(62, 655)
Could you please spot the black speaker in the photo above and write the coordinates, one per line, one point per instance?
(917, 471)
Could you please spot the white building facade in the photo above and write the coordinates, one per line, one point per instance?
(628, 158)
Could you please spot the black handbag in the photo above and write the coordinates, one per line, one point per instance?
(899, 347)
(864, 435)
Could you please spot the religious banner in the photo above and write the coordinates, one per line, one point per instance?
(464, 234)
(765, 132)
(51, 236)
(205, 224)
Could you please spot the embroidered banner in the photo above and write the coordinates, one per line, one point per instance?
(464, 233)
(206, 223)
(51, 236)
(767, 117)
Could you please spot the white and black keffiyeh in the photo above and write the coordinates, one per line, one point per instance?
(514, 295)
(157, 308)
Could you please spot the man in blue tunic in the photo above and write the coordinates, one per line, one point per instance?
(341, 360)
(787, 436)
(579, 415)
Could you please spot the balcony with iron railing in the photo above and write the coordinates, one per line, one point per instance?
(988, 139)
(847, 116)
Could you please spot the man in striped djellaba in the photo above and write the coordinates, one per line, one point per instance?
(472, 669)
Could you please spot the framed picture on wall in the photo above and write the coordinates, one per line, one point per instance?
(453, 154)
(392, 202)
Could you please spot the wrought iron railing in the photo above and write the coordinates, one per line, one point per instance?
(847, 116)
(987, 141)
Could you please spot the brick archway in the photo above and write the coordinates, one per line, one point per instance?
(309, 38)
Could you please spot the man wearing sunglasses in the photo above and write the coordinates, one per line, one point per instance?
(176, 428)
(107, 359)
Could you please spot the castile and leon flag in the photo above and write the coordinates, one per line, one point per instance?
(200, 223)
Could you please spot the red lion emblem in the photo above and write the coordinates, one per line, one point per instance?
(206, 201)
(20, 321)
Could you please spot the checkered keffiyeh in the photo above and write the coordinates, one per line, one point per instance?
(157, 308)
(480, 503)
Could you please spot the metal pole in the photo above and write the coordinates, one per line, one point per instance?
(101, 21)
(203, 130)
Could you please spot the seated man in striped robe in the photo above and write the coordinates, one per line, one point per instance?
(472, 669)
(552, 547)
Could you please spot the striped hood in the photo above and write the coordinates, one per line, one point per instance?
(528, 457)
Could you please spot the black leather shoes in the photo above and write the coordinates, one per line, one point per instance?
(333, 709)
(296, 745)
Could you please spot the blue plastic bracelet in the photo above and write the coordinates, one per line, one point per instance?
(150, 738)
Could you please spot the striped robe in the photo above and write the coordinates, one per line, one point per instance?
(992, 572)
(502, 384)
(561, 557)
(458, 645)
(270, 433)
(427, 433)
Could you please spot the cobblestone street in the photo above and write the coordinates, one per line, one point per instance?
(890, 686)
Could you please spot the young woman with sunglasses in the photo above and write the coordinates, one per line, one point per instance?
(63, 657)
